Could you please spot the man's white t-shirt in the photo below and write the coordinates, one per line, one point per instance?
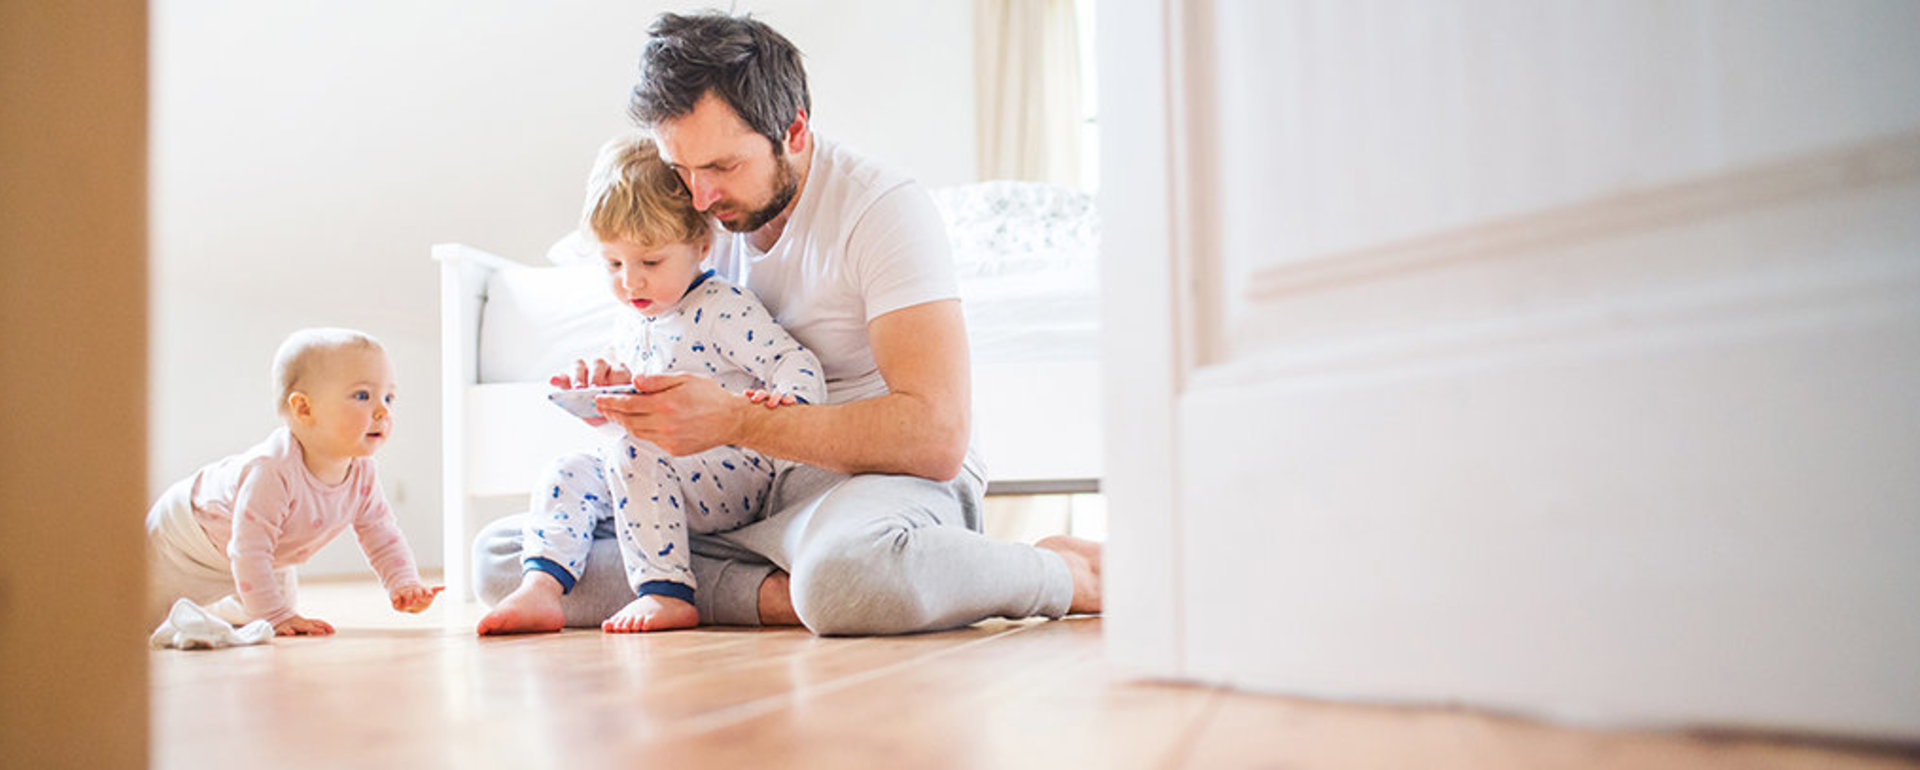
(864, 240)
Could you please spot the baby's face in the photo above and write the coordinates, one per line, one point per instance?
(352, 396)
(651, 280)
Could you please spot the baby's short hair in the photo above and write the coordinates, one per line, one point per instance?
(635, 197)
(299, 356)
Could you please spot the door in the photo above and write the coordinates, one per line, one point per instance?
(1551, 357)
(73, 350)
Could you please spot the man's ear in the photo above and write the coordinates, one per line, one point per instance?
(300, 407)
(796, 138)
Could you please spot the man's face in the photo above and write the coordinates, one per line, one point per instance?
(732, 172)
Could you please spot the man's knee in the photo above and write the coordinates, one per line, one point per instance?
(851, 575)
(496, 559)
(853, 587)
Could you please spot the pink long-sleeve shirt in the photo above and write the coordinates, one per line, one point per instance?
(271, 512)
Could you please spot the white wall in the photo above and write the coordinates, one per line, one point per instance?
(306, 154)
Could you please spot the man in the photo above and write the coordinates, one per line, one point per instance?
(878, 531)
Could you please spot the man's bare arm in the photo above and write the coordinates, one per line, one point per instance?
(920, 428)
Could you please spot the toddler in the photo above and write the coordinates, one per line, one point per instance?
(685, 320)
(228, 537)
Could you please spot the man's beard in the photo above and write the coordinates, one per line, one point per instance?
(786, 184)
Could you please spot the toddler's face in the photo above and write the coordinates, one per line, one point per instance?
(352, 397)
(652, 280)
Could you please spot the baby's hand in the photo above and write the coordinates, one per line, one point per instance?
(299, 626)
(772, 401)
(414, 598)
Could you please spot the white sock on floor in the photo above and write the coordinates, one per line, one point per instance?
(190, 626)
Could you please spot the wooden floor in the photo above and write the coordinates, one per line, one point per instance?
(422, 692)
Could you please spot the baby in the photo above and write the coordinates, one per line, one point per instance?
(685, 320)
(228, 537)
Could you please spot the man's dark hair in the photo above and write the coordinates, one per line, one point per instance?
(749, 66)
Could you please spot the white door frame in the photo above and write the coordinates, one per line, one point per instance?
(1145, 259)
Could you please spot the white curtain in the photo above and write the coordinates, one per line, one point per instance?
(1027, 98)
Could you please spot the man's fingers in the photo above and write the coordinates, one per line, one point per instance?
(654, 383)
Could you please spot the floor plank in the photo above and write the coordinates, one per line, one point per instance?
(422, 691)
(1267, 731)
(1035, 695)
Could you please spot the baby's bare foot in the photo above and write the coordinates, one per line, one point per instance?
(1083, 562)
(652, 612)
(532, 608)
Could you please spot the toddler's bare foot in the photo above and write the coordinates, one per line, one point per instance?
(1083, 562)
(652, 612)
(532, 608)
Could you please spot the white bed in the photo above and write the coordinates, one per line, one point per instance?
(1026, 256)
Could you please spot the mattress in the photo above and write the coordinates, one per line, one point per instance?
(1040, 316)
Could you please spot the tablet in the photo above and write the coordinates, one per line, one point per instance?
(579, 401)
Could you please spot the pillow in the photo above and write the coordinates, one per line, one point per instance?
(537, 320)
(1005, 226)
(574, 248)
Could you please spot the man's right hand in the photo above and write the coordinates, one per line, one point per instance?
(681, 413)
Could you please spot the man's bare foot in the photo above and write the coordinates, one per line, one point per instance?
(776, 600)
(532, 608)
(1083, 562)
(652, 612)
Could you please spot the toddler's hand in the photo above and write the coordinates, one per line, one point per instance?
(414, 598)
(598, 373)
(772, 401)
(299, 626)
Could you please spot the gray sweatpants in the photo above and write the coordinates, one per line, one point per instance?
(869, 554)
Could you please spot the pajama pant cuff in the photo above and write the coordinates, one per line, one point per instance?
(680, 591)
(551, 567)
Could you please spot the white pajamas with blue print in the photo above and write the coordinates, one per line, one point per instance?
(653, 498)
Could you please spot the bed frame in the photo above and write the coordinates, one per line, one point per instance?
(1037, 424)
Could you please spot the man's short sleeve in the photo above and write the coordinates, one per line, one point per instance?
(900, 252)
